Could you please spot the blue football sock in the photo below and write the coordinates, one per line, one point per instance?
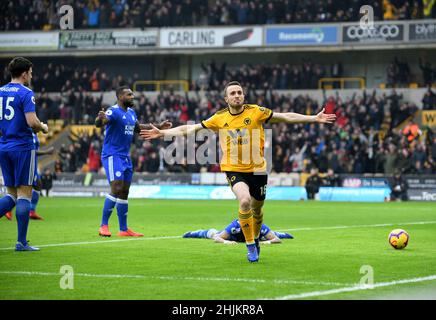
(109, 204)
(35, 199)
(284, 235)
(198, 234)
(122, 210)
(7, 203)
(22, 215)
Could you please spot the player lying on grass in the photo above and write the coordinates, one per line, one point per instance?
(233, 234)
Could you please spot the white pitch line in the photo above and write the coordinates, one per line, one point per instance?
(96, 242)
(353, 288)
(175, 237)
(360, 226)
(172, 278)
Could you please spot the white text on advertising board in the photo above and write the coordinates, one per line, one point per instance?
(384, 31)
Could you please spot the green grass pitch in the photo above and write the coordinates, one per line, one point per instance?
(332, 243)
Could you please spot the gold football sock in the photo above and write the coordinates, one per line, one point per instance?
(246, 222)
(257, 225)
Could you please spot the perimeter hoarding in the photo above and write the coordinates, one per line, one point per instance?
(302, 35)
(29, 41)
(380, 33)
(107, 39)
(210, 37)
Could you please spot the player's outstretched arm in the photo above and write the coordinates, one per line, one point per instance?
(155, 133)
(291, 117)
(222, 238)
(271, 238)
(161, 126)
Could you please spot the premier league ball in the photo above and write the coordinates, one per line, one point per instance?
(398, 239)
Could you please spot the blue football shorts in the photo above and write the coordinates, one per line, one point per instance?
(18, 167)
(118, 168)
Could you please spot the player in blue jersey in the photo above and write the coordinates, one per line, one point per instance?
(17, 151)
(233, 234)
(36, 182)
(121, 124)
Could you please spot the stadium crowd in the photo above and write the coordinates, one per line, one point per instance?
(68, 77)
(355, 144)
(43, 14)
(56, 77)
(304, 75)
(262, 75)
(296, 148)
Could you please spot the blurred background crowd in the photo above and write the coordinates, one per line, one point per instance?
(363, 140)
(42, 14)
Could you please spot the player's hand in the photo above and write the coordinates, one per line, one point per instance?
(44, 128)
(165, 125)
(325, 118)
(153, 133)
(229, 242)
(102, 114)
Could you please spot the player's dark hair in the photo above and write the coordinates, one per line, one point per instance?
(119, 91)
(18, 65)
(231, 83)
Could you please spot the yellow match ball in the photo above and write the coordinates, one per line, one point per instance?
(398, 238)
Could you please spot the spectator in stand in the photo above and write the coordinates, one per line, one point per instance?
(391, 159)
(429, 9)
(94, 159)
(412, 131)
(58, 168)
(429, 100)
(403, 72)
(92, 15)
(427, 72)
(392, 75)
(297, 158)
(389, 11)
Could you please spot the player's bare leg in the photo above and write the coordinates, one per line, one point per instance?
(12, 191)
(242, 192)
